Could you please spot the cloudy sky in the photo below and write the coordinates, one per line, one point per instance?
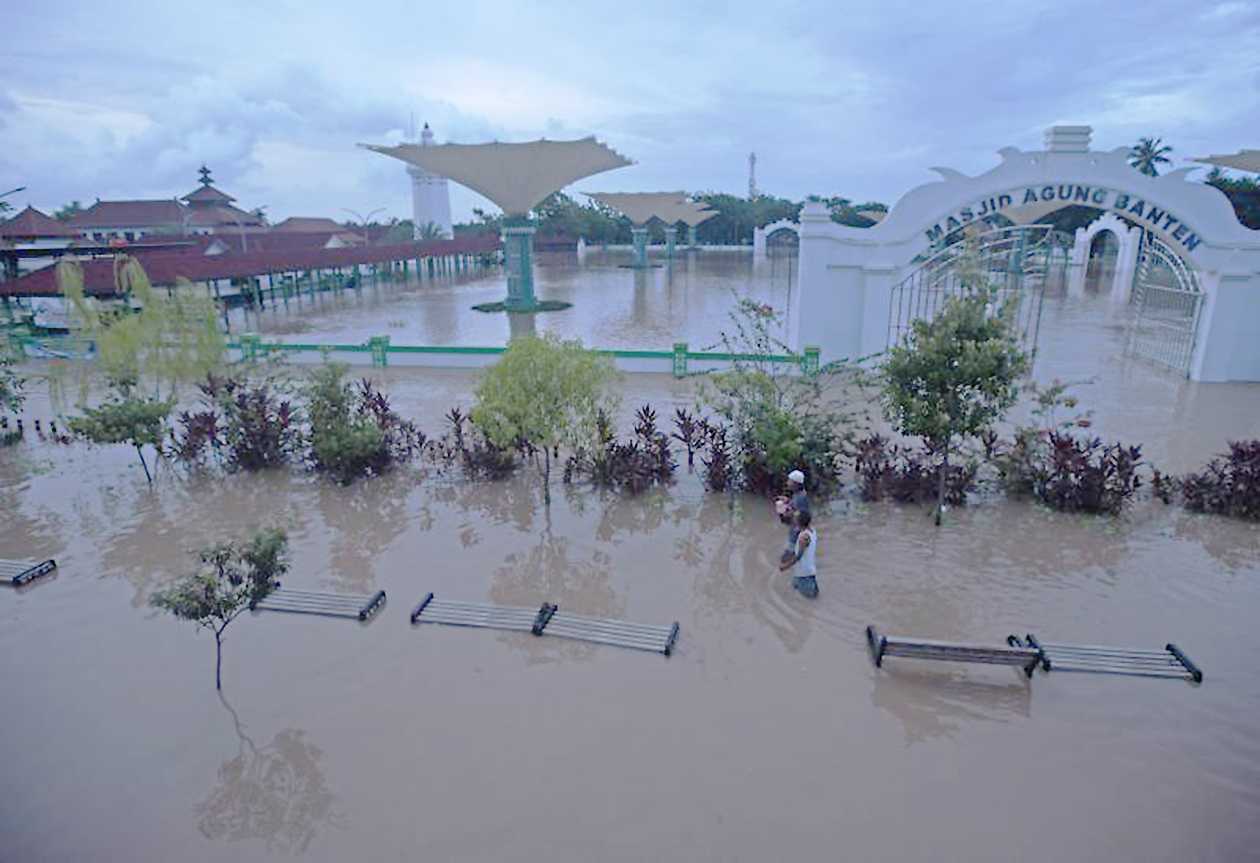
(853, 98)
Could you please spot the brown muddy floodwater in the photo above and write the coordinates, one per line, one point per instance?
(767, 736)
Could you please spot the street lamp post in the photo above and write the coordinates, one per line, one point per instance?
(364, 219)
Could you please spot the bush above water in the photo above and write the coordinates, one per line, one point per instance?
(1228, 485)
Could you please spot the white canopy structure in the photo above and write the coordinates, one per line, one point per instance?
(516, 177)
(641, 207)
(1243, 160)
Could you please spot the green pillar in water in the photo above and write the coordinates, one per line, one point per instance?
(638, 235)
(518, 250)
(671, 237)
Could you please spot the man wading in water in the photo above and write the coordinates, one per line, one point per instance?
(806, 549)
(787, 508)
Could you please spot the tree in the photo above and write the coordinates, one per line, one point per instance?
(12, 385)
(126, 418)
(957, 373)
(232, 576)
(1148, 154)
(430, 231)
(544, 393)
(172, 338)
(68, 212)
(1243, 194)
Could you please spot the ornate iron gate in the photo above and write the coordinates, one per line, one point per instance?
(1167, 297)
(1019, 261)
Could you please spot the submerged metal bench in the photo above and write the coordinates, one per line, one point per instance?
(548, 620)
(20, 572)
(1099, 659)
(1026, 658)
(360, 606)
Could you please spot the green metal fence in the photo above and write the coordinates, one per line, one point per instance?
(678, 360)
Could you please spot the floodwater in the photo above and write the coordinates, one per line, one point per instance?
(614, 307)
(768, 735)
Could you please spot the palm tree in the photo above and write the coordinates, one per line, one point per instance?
(1147, 154)
(430, 231)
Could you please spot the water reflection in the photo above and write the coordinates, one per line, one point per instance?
(934, 704)
(552, 571)
(277, 793)
(362, 519)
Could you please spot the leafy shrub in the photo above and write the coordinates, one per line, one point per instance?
(1023, 460)
(908, 476)
(688, 432)
(1083, 475)
(479, 456)
(636, 465)
(776, 418)
(1228, 485)
(353, 430)
(719, 470)
(247, 424)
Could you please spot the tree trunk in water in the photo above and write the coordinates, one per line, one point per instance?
(940, 486)
(547, 476)
(144, 465)
(218, 661)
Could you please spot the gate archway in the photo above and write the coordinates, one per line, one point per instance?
(848, 275)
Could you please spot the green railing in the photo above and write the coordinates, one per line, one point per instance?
(252, 347)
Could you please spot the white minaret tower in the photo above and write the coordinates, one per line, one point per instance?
(430, 195)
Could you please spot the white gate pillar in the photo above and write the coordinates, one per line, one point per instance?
(1078, 263)
(1126, 266)
(759, 242)
(1229, 329)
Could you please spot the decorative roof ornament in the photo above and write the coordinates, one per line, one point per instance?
(516, 177)
(205, 176)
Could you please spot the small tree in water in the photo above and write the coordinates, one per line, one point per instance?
(546, 393)
(957, 373)
(231, 577)
(126, 418)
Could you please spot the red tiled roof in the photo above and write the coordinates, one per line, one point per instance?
(32, 223)
(130, 214)
(220, 215)
(271, 241)
(165, 267)
(207, 194)
(307, 224)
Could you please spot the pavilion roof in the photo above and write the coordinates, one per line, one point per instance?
(166, 267)
(516, 177)
(641, 207)
(1243, 160)
(32, 223)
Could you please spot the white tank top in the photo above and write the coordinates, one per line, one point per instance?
(807, 564)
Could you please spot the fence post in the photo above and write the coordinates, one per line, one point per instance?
(680, 359)
(249, 345)
(379, 346)
(810, 360)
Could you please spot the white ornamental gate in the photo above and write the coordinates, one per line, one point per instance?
(1168, 298)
